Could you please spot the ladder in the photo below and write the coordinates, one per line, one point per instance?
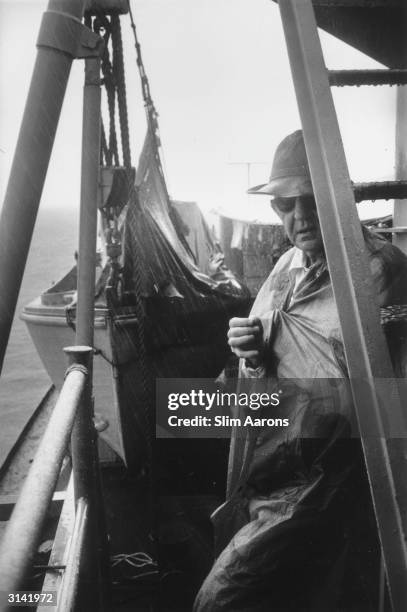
(374, 388)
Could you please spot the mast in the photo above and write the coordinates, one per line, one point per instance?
(61, 39)
(400, 208)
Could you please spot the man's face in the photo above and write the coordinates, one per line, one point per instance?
(301, 223)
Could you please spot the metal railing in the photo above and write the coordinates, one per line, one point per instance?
(20, 540)
(70, 583)
(62, 38)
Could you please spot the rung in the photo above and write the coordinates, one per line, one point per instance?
(340, 78)
(107, 7)
(386, 190)
(390, 230)
(357, 3)
(7, 503)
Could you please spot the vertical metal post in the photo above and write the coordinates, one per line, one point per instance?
(84, 438)
(88, 209)
(84, 430)
(83, 448)
(400, 206)
(30, 163)
(374, 392)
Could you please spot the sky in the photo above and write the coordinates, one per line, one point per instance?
(220, 80)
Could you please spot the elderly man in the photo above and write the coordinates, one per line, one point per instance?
(301, 503)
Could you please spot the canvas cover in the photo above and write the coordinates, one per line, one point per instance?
(157, 240)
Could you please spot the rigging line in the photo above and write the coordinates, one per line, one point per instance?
(151, 111)
(118, 69)
(147, 385)
(152, 114)
(144, 79)
(109, 81)
(104, 150)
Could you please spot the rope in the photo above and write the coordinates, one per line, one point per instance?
(111, 151)
(76, 367)
(151, 112)
(152, 115)
(147, 388)
(114, 82)
(104, 150)
(393, 313)
(70, 312)
(136, 559)
(145, 85)
(118, 71)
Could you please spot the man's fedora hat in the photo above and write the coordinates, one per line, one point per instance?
(290, 175)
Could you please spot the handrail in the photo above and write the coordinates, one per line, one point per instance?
(24, 528)
(62, 38)
(69, 587)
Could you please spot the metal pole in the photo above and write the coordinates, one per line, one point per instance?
(84, 438)
(88, 207)
(31, 158)
(341, 78)
(24, 528)
(84, 430)
(374, 390)
(400, 206)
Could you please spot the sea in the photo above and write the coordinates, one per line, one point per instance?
(24, 381)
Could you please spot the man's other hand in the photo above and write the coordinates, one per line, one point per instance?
(245, 338)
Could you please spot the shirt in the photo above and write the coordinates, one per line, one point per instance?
(297, 268)
(301, 330)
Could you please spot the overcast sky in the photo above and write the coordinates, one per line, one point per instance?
(220, 80)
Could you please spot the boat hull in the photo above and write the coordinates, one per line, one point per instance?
(51, 333)
(175, 339)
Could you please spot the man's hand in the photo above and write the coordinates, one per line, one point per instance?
(245, 338)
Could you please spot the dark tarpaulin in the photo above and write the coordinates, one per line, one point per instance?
(156, 244)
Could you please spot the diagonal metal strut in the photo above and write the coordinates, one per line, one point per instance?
(374, 388)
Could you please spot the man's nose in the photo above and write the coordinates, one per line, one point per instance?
(302, 209)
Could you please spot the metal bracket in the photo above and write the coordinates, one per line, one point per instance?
(65, 33)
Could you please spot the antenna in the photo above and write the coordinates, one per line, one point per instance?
(248, 165)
